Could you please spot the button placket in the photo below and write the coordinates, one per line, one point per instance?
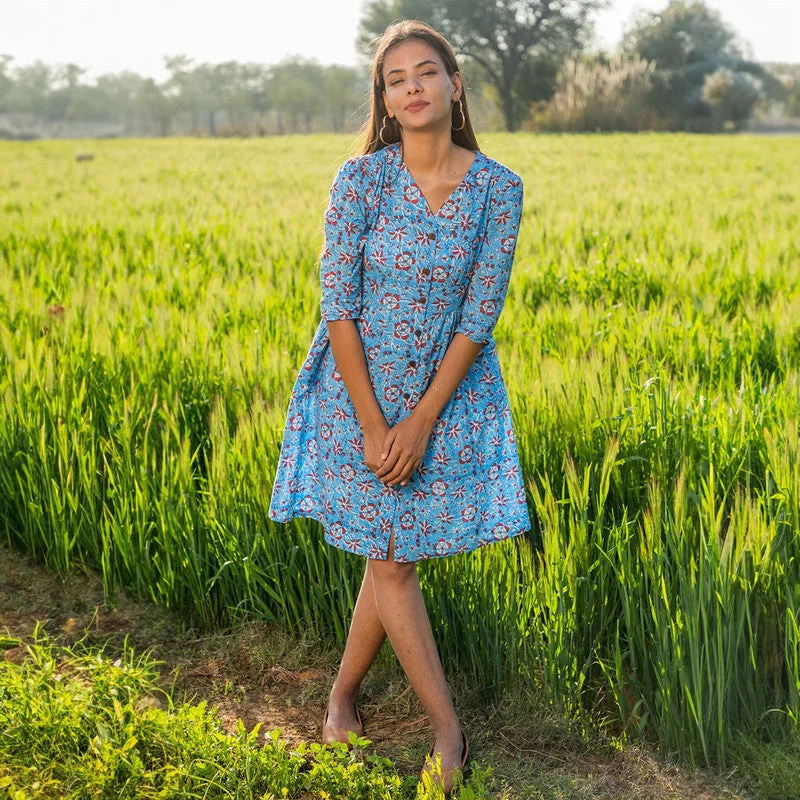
(428, 251)
(424, 288)
(427, 271)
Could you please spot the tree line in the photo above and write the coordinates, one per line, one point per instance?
(681, 68)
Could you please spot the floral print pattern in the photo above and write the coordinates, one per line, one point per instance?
(411, 279)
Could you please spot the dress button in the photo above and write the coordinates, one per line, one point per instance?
(406, 395)
(418, 331)
(412, 363)
(426, 270)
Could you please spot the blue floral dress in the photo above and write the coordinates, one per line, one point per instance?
(410, 279)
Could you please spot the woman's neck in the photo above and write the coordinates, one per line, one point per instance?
(429, 152)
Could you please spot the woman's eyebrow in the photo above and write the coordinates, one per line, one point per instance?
(427, 61)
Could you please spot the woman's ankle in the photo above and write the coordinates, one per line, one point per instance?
(343, 693)
(450, 733)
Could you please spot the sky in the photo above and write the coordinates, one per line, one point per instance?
(114, 35)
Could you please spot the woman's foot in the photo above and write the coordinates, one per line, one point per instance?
(453, 752)
(341, 716)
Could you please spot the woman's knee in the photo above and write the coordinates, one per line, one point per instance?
(389, 569)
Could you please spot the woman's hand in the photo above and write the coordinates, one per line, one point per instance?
(373, 445)
(402, 451)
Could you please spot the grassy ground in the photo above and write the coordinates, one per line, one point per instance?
(259, 675)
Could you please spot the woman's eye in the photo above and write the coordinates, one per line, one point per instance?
(400, 80)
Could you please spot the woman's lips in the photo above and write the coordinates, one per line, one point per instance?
(416, 106)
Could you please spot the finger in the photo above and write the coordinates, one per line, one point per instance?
(390, 472)
(388, 440)
(398, 473)
(409, 472)
(388, 465)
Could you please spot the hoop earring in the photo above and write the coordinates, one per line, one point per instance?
(380, 132)
(463, 118)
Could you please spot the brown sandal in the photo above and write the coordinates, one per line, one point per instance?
(340, 734)
(448, 772)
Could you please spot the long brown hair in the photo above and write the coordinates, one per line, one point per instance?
(395, 34)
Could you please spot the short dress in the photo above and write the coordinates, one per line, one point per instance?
(411, 280)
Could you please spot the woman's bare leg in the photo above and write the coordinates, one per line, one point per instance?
(401, 607)
(364, 641)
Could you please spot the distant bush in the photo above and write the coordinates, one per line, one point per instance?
(732, 95)
(592, 95)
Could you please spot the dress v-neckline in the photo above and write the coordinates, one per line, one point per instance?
(452, 194)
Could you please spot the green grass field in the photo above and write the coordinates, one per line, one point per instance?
(157, 302)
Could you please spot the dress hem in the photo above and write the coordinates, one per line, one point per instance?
(343, 545)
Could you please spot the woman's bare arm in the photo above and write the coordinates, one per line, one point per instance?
(351, 361)
(456, 363)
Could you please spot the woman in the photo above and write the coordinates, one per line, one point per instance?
(398, 436)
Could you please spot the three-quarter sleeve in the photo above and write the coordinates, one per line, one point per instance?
(341, 262)
(488, 283)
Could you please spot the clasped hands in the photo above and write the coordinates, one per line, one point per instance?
(393, 453)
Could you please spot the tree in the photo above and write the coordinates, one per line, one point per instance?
(237, 89)
(181, 85)
(684, 33)
(156, 104)
(207, 87)
(71, 101)
(123, 96)
(689, 41)
(258, 79)
(789, 77)
(251, 92)
(518, 44)
(345, 90)
(30, 92)
(732, 94)
(5, 80)
(298, 91)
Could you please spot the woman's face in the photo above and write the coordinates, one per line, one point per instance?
(419, 92)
